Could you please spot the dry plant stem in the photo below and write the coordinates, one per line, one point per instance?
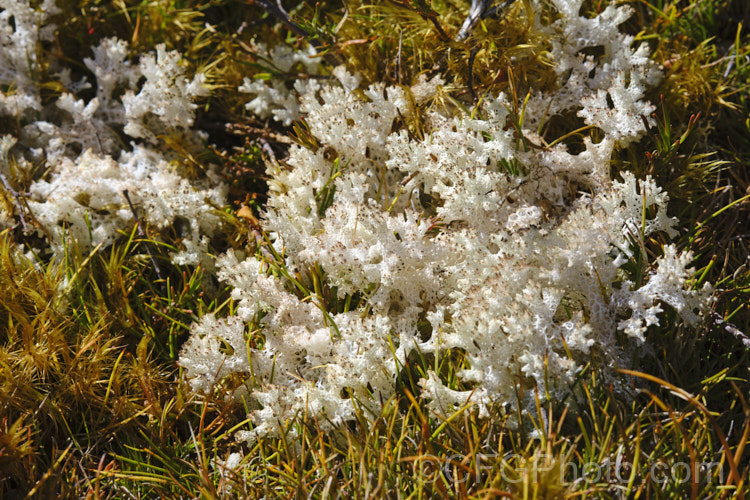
(242, 129)
(398, 57)
(277, 10)
(470, 82)
(16, 197)
(426, 12)
(730, 328)
(479, 10)
(443, 35)
(267, 149)
(142, 234)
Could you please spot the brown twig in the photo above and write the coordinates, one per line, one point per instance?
(243, 129)
(142, 234)
(443, 35)
(730, 328)
(16, 197)
(267, 150)
(398, 58)
(424, 10)
(480, 9)
(472, 55)
(277, 10)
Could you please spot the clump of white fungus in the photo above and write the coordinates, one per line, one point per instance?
(446, 248)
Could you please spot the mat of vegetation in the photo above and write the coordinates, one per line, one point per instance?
(374, 248)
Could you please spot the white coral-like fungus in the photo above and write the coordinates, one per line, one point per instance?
(85, 196)
(22, 29)
(276, 99)
(88, 167)
(167, 94)
(461, 240)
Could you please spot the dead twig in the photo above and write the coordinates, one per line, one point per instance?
(277, 10)
(480, 9)
(17, 199)
(443, 35)
(267, 150)
(243, 129)
(472, 55)
(730, 328)
(142, 234)
(398, 57)
(427, 13)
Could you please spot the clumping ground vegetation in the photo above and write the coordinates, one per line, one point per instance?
(376, 248)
